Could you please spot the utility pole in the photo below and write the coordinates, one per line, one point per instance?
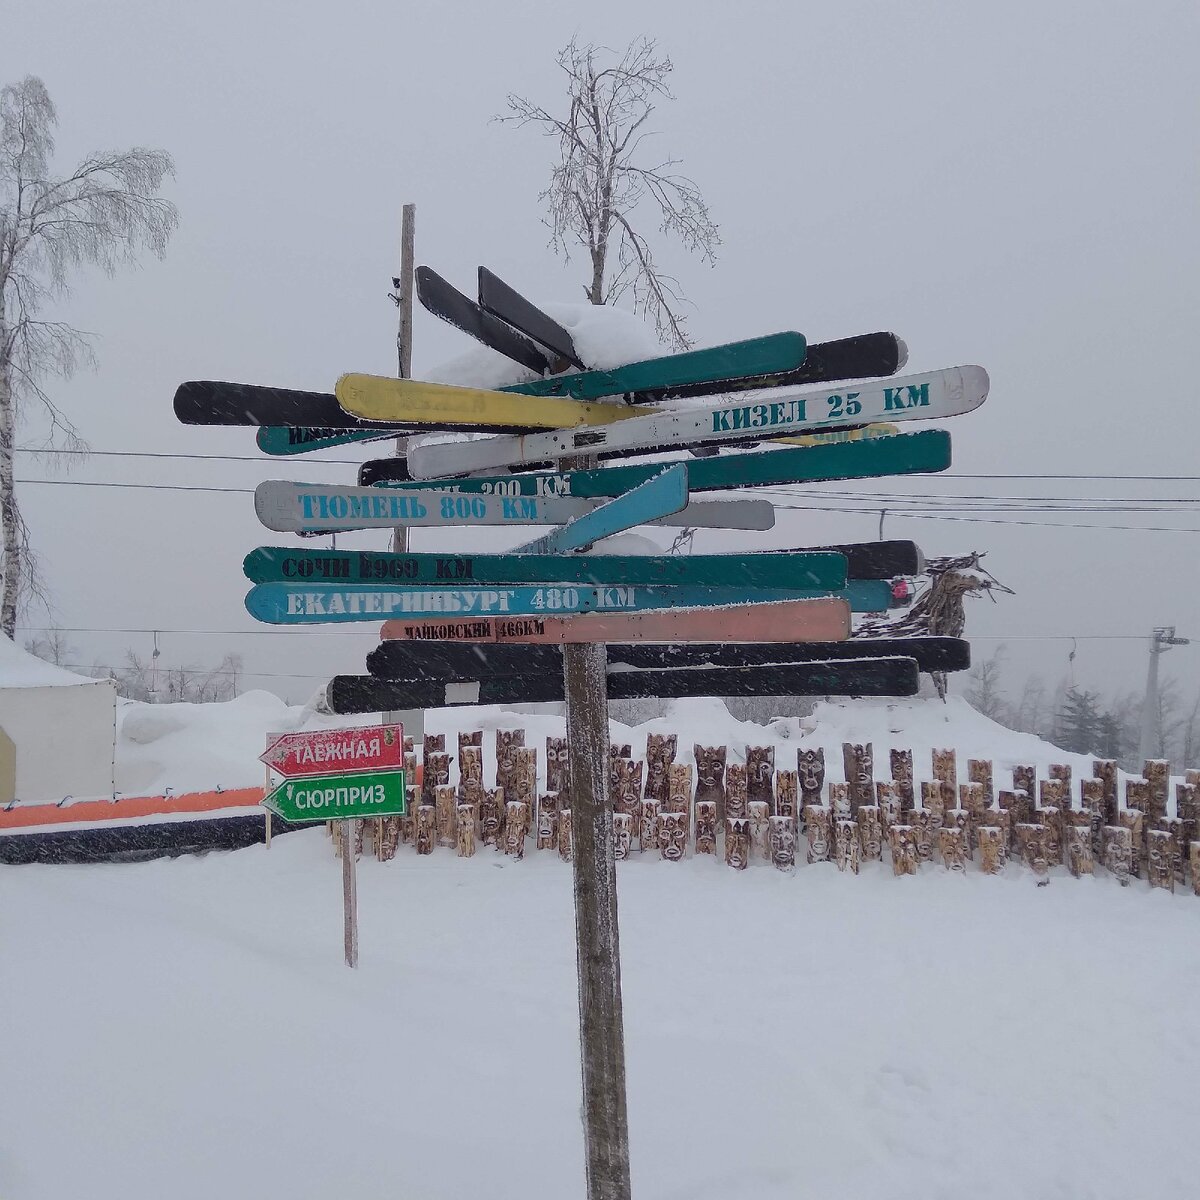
(1161, 640)
(413, 720)
(404, 302)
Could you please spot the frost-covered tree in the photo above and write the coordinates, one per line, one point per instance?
(101, 214)
(1078, 723)
(983, 687)
(608, 185)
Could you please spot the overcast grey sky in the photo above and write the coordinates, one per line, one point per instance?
(1013, 185)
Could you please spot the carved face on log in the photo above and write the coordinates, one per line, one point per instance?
(547, 828)
(1061, 772)
(622, 836)
(619, 751)
(1079, 850)
(631, 789)
(679, 788)
(921, 822)
(1025, 780)
(810, 768)
(845, 845)
(649, 824)
(465, 830)
(473, 738)
(470, 768)
(839, 801)
(426, 828)
(737, 842)
(508, 742)
(993, 849)
(1118, 851)
(1052, 843)
(516, 826)
(672, 835)
(817, 827)
(781, 842)
(887, 798)
(979, 770)
(760, 773)
(710, 772)
(736, 791)
(490, 820)
(1033, 842)
(444, 802)
(556, 764)
(1159, 868)
(945, 767)
(759, 812)
(706, 827)
(433, 743)
(618, 776)
(660, 754)
(566, 847)
(870, 832)
(952, 849)
(903, 843)
(787, 790)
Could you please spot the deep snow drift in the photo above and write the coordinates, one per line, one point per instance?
(195, 747)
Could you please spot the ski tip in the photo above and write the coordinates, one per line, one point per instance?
(975, 381)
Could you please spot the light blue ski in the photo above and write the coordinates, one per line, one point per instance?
(664, 494)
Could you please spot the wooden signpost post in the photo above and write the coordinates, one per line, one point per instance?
(771, 623)
(339, 775)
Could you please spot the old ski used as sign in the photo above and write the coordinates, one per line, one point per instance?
(858, 677)
(314, 604)
(935, 395)
(782, 569)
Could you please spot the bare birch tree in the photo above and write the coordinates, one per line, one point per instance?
(606, 181)
(102, 214)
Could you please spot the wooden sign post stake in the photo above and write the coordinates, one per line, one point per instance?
(349, 893)
(598, 952)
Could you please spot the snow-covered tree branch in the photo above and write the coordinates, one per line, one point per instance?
(102, 214)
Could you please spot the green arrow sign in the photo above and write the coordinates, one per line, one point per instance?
(338, 797)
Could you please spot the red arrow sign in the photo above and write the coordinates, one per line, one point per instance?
(336, 751)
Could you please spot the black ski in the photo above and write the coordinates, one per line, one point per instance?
(863, 356)
(206, 402)
(496, 297)
(865, 677)
(448, 303)
(875, 560)
(448, 662)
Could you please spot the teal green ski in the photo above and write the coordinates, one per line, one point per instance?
(774, 354)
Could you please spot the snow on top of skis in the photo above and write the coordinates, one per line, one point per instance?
(605, 337)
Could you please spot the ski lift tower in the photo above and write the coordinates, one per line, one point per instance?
(1161, 640)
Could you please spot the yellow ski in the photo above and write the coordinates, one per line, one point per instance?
(412, 402)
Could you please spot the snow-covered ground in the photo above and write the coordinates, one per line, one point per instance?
(187, 1029)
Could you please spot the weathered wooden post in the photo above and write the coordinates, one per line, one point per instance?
(598, 948)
